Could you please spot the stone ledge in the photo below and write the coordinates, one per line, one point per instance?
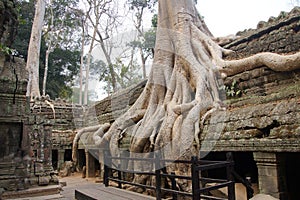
(265, 145)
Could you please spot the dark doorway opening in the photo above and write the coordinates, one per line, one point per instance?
(293, 175)
(245, 166)
(81, 159)
(55, 159)
(68, 155)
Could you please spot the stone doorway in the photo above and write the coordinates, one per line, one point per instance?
(68, 155)
(55, 159)
(292, 168)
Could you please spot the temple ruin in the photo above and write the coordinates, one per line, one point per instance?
(261, 125)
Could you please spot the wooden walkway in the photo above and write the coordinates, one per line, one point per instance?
(100, 192)
(89, 190)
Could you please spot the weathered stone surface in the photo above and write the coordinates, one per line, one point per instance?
(14, 110)
(113, 106)
(280, 35)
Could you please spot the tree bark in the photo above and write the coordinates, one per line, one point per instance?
(81, 64)
(34, 51)
(182, 88)
(182, 85)
(46, 71)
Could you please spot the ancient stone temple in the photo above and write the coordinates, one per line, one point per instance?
(15, 145)
(15, 155)
(261, 125)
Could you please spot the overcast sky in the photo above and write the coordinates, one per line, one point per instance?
(225, 17)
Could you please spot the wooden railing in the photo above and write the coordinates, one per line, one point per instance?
(200, 186)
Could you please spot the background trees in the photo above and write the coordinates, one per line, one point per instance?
(67, 31)
(61, 23)
(145, 40)
(64, 60)
(33, 56)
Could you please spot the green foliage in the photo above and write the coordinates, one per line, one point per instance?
(8, 22)
(149, 38)
(134, 4)
(63, 67)
(64, 60)
(154, 20)
(25, 15)
(63, 23)
(126, 75)
(5, 50)
(233, 90)
(148, 42)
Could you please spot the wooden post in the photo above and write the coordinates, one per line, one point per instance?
(106, 168)
(195, 179)
(157, 176)
(173, 182)
(229, 169)
(119, 176)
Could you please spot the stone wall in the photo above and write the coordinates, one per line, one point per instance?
(264, 111)
(113, 106)
(63, 118)
(280, 35)
(14, 127)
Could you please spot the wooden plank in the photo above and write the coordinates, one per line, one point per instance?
(104, 193)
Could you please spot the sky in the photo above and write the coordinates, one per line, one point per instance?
(225, 17)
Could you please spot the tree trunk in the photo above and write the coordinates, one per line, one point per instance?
(182, 88)
(143, 59)
(34, 51)
(46, 71)
(87, 69)
(81, 65)
(182, 85)
(109, 63)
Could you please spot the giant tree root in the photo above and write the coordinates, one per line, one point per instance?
(182, 89)
(98, 131)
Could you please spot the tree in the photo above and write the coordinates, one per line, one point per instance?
(62, 24)
(139, 7)
(8, 24)
(182, 89)
(83, 38)
(63, 69)
(32, 64)
(25, 16)
(102, 17)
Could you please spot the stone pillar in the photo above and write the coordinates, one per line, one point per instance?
(60, 158)
(271, 174)
(47, 150)
(90, 164)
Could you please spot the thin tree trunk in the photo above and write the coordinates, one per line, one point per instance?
(81, 63)
(143, 63)
(87, 72)
(46, 71)
(140, 36)
(109, 62)
(34, 50)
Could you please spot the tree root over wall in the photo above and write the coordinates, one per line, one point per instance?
(183, 86)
